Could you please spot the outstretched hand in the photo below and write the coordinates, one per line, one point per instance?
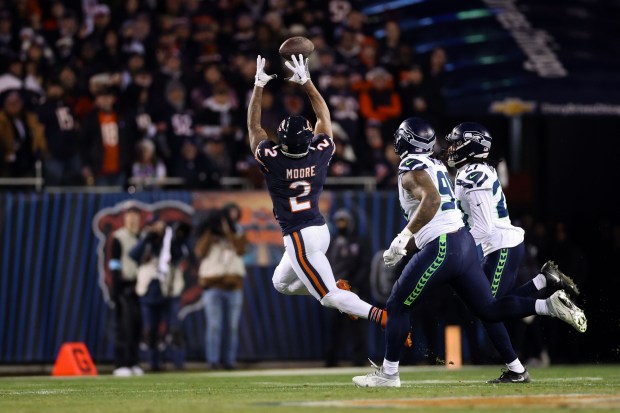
(300, 69)
(261, 78)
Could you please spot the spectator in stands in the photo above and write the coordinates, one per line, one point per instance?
(435, 81)
(109, 57)
(244, 37)
(341, 164)
(344, 106)
(64, 38)
(391, 48)
(106, 149)
(175, 122)
(16, 79)
(136, 105)
(101, 23)
(368, 57)
(147, 171)
(386, 168)
(215, 149)
(211, 77)
(220, 120)
(76, 97)
(374, 157)
(349, 256)
(220, 247)
(9, 43)
(348, 48)
(197, 169)
(63, 165)
(124, 271)
(413, 92)
(22, 138)
(379, 100)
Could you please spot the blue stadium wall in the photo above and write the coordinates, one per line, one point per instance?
(49, 290)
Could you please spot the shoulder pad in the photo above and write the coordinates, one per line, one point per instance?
(475, 177)
(266, 150)
(413, 163)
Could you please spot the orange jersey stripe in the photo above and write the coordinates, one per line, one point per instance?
(304, 264)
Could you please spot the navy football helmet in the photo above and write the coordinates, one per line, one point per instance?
(295, 135)
(468, 140)
(414, 136)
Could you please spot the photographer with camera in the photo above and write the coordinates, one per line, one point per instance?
(220, 246)
(159, 283)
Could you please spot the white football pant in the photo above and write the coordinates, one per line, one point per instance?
(304, 269)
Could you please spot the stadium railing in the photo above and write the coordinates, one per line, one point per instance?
(367, 183)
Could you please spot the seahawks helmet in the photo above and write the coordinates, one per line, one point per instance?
(468, 140)
(295, 135)
(414, 136)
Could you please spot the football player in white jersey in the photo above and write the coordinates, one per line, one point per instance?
(446, 254)
(500, 244)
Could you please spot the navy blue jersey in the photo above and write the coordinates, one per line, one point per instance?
(296, 183)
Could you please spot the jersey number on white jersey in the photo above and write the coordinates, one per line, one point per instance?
(445, 190)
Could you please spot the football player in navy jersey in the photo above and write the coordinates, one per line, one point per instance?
(445, 254)
(295, 168)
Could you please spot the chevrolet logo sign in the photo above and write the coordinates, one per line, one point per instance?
(512, 107)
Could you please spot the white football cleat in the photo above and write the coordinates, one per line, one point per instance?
(137, 371)
(562, 307)
(377, 378)
(122, 372)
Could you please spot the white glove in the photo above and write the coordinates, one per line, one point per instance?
(391, 258)
(299, 68)
(397, 248)
(261, 78)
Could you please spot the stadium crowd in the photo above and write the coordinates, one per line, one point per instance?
(104, 91)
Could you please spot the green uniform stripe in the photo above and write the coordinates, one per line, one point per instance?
(441, 255)
(497, 277)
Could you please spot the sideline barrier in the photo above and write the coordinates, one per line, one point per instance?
(53, 288)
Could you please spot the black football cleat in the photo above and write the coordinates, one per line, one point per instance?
(509, 376)
(557, 280)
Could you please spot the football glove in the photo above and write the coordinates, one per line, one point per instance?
(261, 78)
(397, 249)
(299, 68)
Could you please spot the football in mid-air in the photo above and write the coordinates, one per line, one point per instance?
(295, 46)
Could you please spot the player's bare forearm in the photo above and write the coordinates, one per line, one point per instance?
(425, 212)
(255, 130)
(323, 118)
(420, 185)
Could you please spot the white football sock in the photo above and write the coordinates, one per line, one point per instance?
(390, 367)
(540, 281)
(541, 307)
(516, 366)
(347, 302)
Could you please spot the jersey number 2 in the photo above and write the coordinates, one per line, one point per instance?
(296, 205)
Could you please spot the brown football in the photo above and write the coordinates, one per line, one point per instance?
(295, 46)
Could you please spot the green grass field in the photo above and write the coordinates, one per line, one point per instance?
(563, 388)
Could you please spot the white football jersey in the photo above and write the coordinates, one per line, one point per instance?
(448, 217)
(480, 197)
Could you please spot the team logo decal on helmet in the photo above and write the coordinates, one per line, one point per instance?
(295, 134)
(468, 140)
(414, 136)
